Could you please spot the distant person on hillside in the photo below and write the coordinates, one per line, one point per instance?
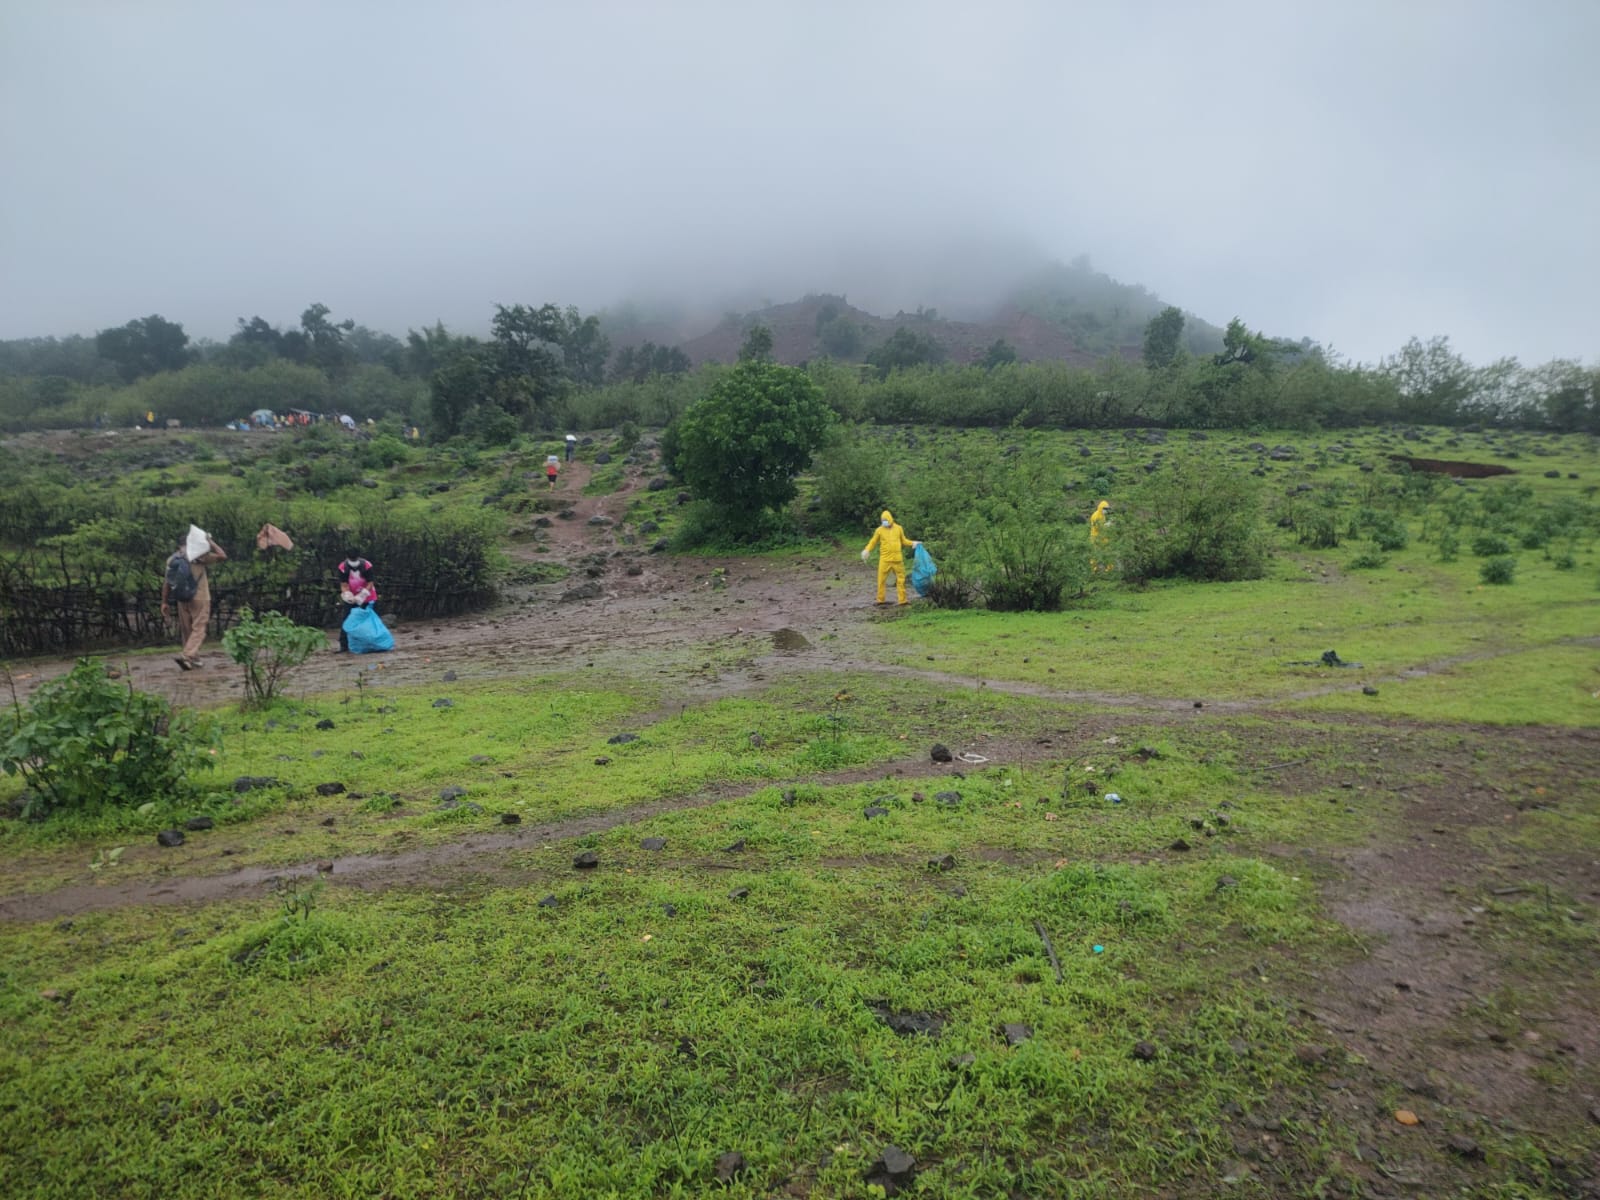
(356, 590)
(552, 468)
(572, 444)
(1097, 536)
(892, 544)
(186, 583)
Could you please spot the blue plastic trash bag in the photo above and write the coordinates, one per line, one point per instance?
(366, 632)
(923, 569)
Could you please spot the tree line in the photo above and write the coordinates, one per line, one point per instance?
(541, 368)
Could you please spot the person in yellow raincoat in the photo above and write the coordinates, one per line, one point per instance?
(892, 544)
(1097, 536)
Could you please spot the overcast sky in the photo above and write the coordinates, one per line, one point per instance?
(1353, 172)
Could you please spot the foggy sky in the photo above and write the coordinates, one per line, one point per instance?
(1353, 172)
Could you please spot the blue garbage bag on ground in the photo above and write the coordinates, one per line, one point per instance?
(366, 632)
(923, 569)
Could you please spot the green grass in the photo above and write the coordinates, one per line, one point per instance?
(416, 1044)
(460, 1038)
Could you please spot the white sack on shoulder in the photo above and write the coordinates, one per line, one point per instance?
(197, 544)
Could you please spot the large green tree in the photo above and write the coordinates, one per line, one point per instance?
(1163, 338)
(144, 347)
(742, 445)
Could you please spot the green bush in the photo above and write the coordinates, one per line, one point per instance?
(1501, 569)
(852, 484)
(1195, 519)
(84, 740)
(1030, 570)
(951, 589)
(1489, 545)
(268, 648)
(1317, 528)
(1369, 560)
(1449, 547)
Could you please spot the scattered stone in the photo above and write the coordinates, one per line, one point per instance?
(736, 848)
(947, 799)
(588, 590)
(1460, 1143)
(599, 520)
(1179, 845)
(325, 867)
(918, 798)
(330, 789)
(621, 739)
(789, 799)
(757, 741)
(660, 546)
(249, 783)
(1311, 1054)
(1199, 704)
(448, 677)
(444, 703)
(634, 569)
(947, 863)
(480, 759)
(170, 837)
(326, 822)
(875, 810)
(1016, 1034)
(649, 527)
(941, 753)
(892, 1171)
(510, 818)
(1406, 1117)
(602, 458)
(1224, 882)
(729, 1165)
(325, 723)
(906, 1024)
(669, 910)
(738, 893)
(195, 824)
(450, 793)
(549, 902)
(1369, 690)
(1144, 1051)
(659, 484)
(586, 860)
(602, 761)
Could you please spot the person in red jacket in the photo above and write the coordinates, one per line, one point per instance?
(356, 590)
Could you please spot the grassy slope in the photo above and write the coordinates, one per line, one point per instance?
(471, 1040)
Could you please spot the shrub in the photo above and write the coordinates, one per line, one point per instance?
(851, 484)
(1317, 528)
(1489, 545)
(951, 589)
(1029, 569)
(268, 648)
(1501, 569)
(1369, 560)
(1449, 547)
(1195, 519)
(85, 740)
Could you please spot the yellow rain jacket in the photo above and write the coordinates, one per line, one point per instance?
(1097, 535)
(891, 542)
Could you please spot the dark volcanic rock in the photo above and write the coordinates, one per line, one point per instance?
(907, 1024)
(330, 789)
(195, 824)
(170, 837)
(941, 753)
(586, 860)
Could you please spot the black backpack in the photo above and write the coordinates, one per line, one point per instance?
(181, 583)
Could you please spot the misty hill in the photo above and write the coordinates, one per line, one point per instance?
(1067, 313)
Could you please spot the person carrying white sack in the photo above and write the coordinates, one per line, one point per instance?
(188, 585)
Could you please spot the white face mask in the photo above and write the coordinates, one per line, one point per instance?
(885, 524)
